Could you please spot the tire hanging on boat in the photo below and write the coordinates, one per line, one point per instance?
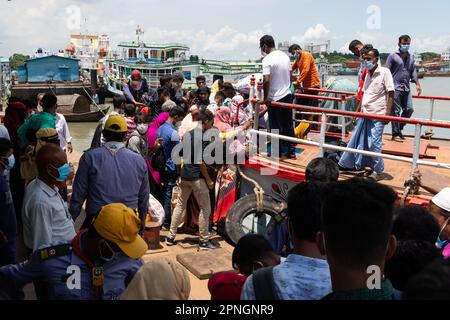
(243, 208)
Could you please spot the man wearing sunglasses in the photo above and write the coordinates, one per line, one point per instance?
(97, 264)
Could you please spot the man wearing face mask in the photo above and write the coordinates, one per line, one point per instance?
(46, 219)
(277, 88)
(136, 90)
(168, 132)
(378, 99)
(8, 226)
(111, 174)
(440, 208)
(403, 69)
(97, 264)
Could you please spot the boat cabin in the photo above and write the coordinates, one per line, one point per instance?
(49, 68)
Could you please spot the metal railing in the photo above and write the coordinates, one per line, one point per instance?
(415, 161)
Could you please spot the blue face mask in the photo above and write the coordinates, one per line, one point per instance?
(296, 56)
(441, 244)
(11, 161)
(370, 65)
(405, 47)
(63, 172)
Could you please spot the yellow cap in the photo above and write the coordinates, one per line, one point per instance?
(116, 123)
(120, 225)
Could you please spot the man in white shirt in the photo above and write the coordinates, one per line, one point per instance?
(65, 139)
(46, 218)
(277, 88)
(378, 99)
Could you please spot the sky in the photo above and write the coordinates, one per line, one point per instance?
(229, 29)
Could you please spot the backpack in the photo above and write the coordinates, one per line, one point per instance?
(264, 285)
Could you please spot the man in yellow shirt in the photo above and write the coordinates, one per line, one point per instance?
(308, 76)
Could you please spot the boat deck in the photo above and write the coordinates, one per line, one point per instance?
(396, 172)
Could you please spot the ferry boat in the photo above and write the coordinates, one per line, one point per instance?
(416, 169)
(156, 60)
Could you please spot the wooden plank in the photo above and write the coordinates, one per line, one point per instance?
(204, 264)
(405, 148)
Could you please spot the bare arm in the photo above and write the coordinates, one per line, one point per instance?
(390, 103)
(266, 88)
(205, 174)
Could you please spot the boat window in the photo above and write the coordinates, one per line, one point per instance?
(187, 75)
(132, 53)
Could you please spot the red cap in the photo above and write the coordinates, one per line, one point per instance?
(136, 76)
(226, 286)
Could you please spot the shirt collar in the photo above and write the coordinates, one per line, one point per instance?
(302, 260)
(49, 191)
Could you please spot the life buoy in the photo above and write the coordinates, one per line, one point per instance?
(243, 212)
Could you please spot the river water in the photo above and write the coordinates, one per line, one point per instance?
(82, 133)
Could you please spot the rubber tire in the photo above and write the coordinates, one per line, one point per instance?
(242, 208)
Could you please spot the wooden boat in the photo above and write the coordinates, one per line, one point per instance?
(76, 108)
(93, 116)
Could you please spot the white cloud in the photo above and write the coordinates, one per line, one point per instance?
(319, 32)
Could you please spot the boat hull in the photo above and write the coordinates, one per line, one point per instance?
(94, 116)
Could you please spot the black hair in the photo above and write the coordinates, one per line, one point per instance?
(203, 90)
(178, 76)
(410, 258)
(220, 94)
(163, 91)
(130, 110)
(143, 117)
(304, 204)
(322, 170)
(177, 111)
(366, 48)
(268, 41)
(5, 146)
(353, 44)
(250, 248)
(203, 78)
(13, 99)
(29, 104)
(164, 80)
(114, 136)
(294, 47)
(415, 223)
(375, 52)
(205, 115)
(403, 37)
(227, 85)
(49, 101)
(118, 101)
(433, 283)
(357, 221)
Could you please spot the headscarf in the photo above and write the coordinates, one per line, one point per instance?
(14, 117)
(45, 136)
(237, 103)
(222, 120)
(159, 279)
(151, 139)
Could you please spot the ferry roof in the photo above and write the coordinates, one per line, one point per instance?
(52, 56)
(165, 46)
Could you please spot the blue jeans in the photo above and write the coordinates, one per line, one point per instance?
(403, 107)
(368, 136)
(170, 182)
(281, 119)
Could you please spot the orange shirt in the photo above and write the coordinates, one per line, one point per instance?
(306, 66)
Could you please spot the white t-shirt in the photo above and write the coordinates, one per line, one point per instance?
(278, 65)
(376, 89)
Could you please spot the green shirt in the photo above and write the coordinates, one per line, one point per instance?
(385, 293)
(42, 120)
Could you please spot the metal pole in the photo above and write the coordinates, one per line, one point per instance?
(343, 120)
(416, 153)
(323, 129)
(430, 130)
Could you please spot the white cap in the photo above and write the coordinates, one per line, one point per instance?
(442, 199)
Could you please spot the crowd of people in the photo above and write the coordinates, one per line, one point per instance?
(345, 240)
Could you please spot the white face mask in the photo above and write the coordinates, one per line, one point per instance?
(142, 128)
